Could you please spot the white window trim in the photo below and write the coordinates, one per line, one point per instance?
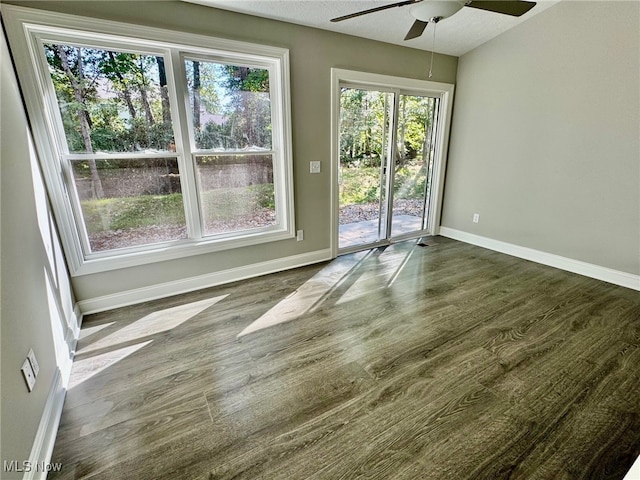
(443, 91)
(23, 25)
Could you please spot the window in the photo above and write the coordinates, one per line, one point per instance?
(155, 144)
(230, 116)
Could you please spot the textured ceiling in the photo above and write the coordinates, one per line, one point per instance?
(455, 35)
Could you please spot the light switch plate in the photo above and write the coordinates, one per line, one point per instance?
(27, 373)
(34, 362)
(314, 167)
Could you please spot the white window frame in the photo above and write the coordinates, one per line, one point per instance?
(28, 28)
(444, 91)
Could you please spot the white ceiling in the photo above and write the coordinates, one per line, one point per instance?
(455, 35)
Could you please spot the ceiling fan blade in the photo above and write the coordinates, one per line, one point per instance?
(514, 8)
(416, 29)
(376, 9)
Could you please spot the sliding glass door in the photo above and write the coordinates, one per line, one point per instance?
(386, 155)
(365, 147)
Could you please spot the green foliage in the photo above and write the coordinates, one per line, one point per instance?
(360, 185)
(409, 182)
(126, 106)
(239, 100)
(213, 136)
(264, 195)
(207, 84)
(120, 92)
(247, 79)
(120, 67)
(365, 122)
(234, 203)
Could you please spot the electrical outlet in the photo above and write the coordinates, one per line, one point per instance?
(34, 362)
(27, 373)
(300, 235)
(476, 217)
(314, 167)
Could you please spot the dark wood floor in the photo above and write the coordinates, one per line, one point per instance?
(439, 362)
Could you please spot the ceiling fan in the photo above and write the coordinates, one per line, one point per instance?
(426, 11)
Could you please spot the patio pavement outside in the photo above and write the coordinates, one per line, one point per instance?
(366, 232)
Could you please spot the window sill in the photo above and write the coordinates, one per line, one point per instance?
(104, 262)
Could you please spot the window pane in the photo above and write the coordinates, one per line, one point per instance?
(111, 101)
(236, 192)
(230, 106)
(131, 202)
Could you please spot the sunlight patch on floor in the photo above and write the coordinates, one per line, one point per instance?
(86, 368)
(309, 295)
(370, 280)
(154, 323)
(87, 332)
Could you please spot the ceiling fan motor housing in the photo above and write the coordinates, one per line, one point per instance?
(436, 9)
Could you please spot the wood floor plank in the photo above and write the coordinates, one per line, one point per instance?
(404, 362)
(114, 443)
(593, 441)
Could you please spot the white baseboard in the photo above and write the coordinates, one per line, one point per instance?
(42, 448)
(71, 340)
(153, 292)
(605, 274)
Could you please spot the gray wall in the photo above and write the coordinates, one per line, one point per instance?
(312, 54)
(37, 304)
(545, 140)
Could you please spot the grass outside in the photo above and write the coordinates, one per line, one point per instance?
(361, 185)
(137, 220)
(125, 213)
(132, 212)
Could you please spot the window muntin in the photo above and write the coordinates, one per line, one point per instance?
(30, 30)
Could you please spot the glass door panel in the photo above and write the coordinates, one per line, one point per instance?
(413, 159)
(365, 144)
(387, 150)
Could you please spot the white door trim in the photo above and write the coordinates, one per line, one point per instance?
(444, 91)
